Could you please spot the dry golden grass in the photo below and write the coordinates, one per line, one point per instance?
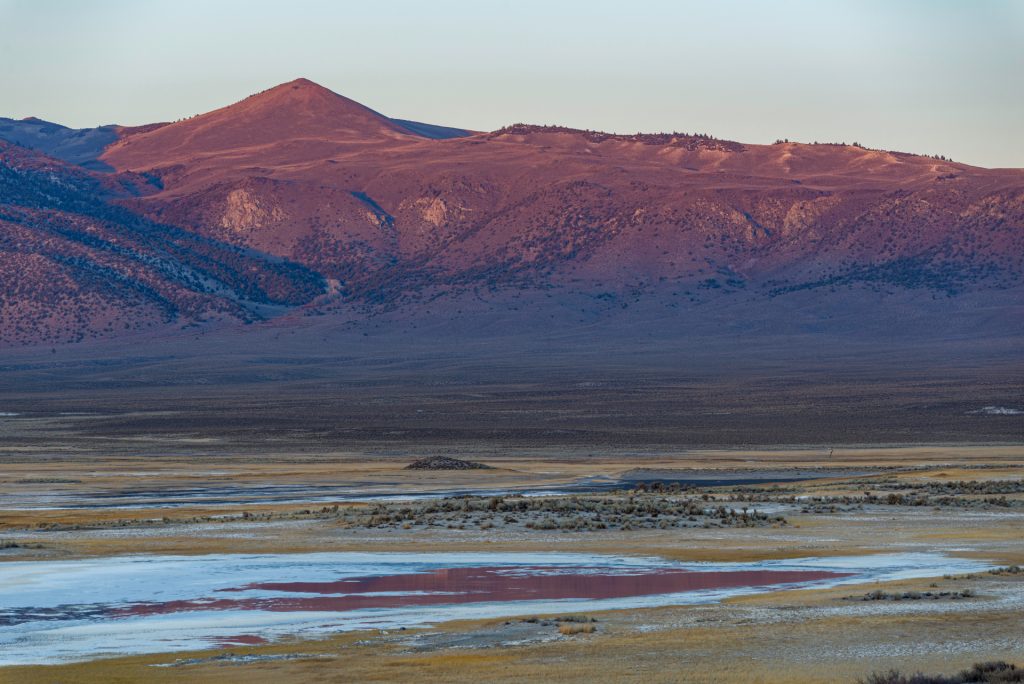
(573, 628)
(805, 652)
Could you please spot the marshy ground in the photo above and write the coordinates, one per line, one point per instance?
(964, 501)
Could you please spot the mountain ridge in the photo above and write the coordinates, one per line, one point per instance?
(405, 221)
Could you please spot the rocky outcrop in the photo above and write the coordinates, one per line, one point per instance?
(445, 463)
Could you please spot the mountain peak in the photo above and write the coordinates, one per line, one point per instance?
(292, 111)
(304, 99)
(301, 87)
(301, 82)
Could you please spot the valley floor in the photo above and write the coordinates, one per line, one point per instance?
(966, 502)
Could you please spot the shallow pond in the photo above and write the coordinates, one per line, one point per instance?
(54, 611)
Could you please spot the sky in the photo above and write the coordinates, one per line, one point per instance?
(928, 76)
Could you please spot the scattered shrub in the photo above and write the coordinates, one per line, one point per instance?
(979, 673)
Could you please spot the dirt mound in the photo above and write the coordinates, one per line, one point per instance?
(445, 463)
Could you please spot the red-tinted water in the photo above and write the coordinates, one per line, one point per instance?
(240, 640)
(477, 585)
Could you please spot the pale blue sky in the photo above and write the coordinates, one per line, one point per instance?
(929, 76)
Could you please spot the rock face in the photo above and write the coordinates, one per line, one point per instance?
(413, 220)
(445, 463)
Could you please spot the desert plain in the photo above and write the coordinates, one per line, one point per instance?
(105, 474)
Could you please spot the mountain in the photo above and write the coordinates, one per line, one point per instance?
(277, 126)
(544, 225)
(81, 146)
(300, 107)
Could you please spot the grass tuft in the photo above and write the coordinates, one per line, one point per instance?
(572, 628)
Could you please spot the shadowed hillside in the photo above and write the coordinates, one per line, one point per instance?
(75, 266)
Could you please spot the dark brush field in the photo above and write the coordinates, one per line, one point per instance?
(259, 395)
